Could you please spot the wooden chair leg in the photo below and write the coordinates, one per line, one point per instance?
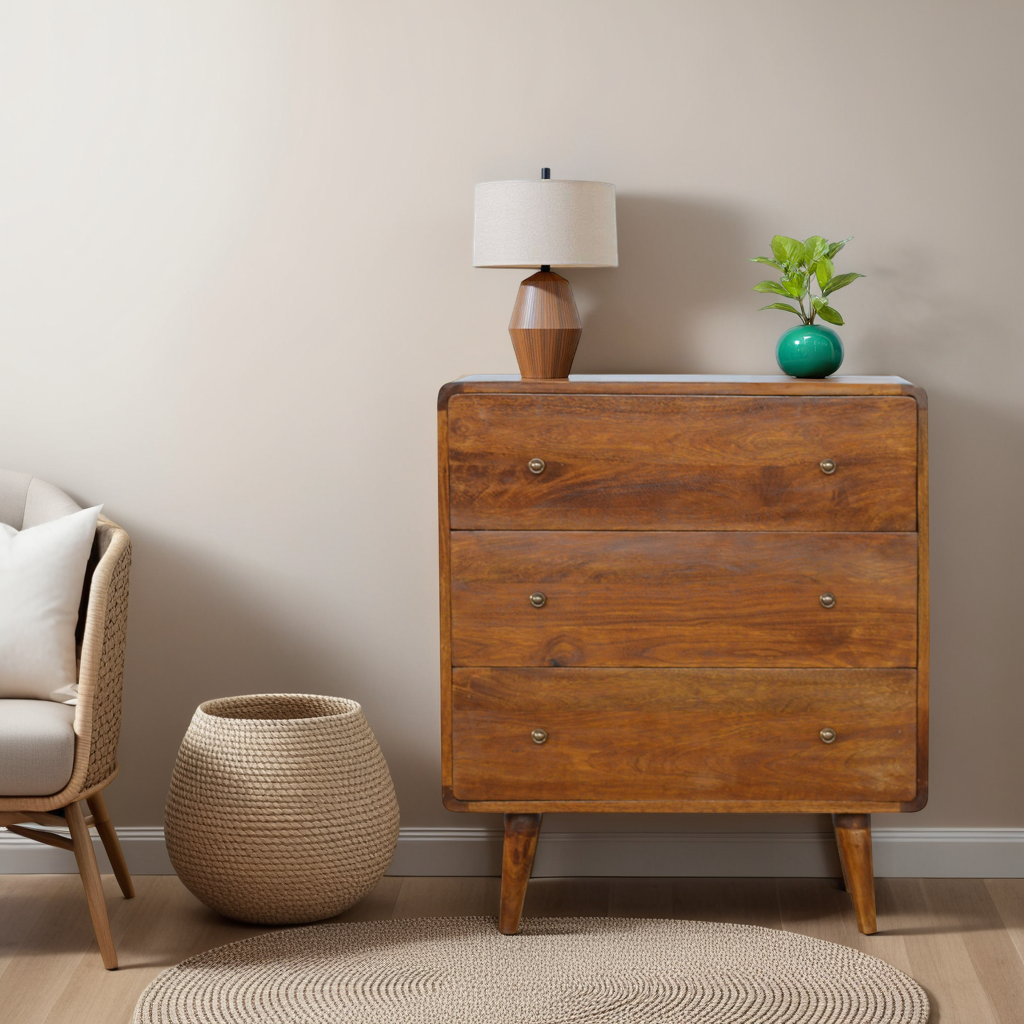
(853, 837)
(90, 872)
(101, 817)
(521, 832)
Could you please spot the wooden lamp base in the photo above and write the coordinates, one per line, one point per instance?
(545, 327)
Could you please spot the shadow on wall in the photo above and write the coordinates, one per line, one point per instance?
(198, 629)
(977, 646)
(952, 345)
(677, 258)
(916, 328)
(196, 633)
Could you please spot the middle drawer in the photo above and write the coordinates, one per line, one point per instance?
(814, 600)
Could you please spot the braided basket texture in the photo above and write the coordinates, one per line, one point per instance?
(281, 808)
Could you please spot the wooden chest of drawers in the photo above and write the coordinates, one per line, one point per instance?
(675, 593)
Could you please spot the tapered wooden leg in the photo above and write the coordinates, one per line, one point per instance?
(90, 873)
(111, 844)
(842, 863)
(521, 832)
(853, 837)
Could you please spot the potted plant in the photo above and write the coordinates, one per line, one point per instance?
(810, 349)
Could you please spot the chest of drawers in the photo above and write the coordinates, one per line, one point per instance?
(677, 593)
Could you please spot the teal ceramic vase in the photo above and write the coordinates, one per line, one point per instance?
(809, 351)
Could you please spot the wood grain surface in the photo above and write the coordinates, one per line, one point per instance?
(688, 599)
(684, 734)
(721, 384)
(545, 326)
(853, 837)
(518, 851)
(923, 614)
(444, 596)
(632, 462)
(675, 583)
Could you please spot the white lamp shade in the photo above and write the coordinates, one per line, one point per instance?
(545, 222)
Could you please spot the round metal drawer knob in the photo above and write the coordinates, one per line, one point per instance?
(828, 466)
(539, 735)
(827, 735)
(536, 466)
(538, 600)
(828, 600)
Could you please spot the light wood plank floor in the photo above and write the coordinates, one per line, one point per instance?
(962, 939)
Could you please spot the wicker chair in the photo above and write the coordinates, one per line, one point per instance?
(25, 502)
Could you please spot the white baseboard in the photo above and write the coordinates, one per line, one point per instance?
(144, 850)
(898, 853)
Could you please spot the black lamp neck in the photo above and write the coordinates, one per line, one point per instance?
(545, 175)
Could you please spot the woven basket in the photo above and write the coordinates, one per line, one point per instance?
(281, 808)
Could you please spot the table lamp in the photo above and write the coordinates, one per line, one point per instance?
(546, 223)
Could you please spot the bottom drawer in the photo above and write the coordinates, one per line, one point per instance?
(686, 734)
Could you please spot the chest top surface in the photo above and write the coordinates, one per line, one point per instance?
(682, 384)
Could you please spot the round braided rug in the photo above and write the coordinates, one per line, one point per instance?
(460, 970)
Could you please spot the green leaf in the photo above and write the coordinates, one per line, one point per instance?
(823, 270)
(836, 246)
(785, 306)
(839, 281)
(765, 259)
(818, 303)
(771, 286)
(788, 251)
(795, 285)
(816, 247)
(830, 315)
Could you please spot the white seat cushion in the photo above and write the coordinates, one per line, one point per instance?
(37, 747)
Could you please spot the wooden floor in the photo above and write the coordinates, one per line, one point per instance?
(962, 939)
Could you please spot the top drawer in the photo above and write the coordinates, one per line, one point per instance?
(646, 462)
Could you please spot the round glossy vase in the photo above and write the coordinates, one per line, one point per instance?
(281, 808)
(809, 351)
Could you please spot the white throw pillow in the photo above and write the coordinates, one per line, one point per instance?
(42, 571)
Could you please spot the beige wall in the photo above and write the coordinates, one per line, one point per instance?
(236, 269)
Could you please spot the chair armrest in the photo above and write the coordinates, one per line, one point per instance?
(101, 669)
